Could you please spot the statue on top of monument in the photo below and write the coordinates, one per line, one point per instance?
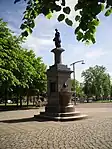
(57, 39)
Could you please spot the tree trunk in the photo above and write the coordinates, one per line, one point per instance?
(20, 101)
(96, 98)
(33, 100)
(17, 101)
(87, 100)
(27, 101)
(5, 98)
(5, 101)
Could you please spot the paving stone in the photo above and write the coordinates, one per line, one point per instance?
(92, 133)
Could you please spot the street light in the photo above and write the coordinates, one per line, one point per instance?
(82, 62)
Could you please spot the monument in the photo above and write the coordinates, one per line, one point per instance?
(59, 106)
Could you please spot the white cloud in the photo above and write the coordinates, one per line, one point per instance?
(42, 37)
(110, 73)
(37, 43)
(95, 53)
(46, 42)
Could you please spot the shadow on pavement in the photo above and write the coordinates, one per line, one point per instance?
(38, 119)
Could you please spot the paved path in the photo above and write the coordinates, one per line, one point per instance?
(18, 130)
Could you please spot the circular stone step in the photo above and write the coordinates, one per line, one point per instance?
(61, 118)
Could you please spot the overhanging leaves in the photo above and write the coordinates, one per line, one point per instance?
(88, 12)
(66, 10)
(68, 22)
(61, 17)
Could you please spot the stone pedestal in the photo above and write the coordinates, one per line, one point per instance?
(59, 105)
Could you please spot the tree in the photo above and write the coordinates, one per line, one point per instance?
(76, 86)
(88, 15)
(20, 69)
(8, 55)
(111, 92)
(96, 82)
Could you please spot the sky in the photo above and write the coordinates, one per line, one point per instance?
(41, 40)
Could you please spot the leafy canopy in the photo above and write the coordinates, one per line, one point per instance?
(96, 81)
(77, 88)
(19, 67)
(88, 15)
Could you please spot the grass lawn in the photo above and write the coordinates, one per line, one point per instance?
(14, 104)
(104, 101)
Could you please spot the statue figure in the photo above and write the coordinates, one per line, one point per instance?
(57, 39)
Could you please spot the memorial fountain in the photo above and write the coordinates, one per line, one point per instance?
(59, 106)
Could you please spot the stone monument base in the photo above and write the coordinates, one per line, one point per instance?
(61, 114)
(63, 111)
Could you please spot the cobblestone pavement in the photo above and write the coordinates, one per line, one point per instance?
(18, 130)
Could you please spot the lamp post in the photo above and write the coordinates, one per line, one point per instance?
(82, 62)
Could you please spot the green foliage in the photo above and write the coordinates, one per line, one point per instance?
(19, 68)
(88, 15)
(76, 86)
(77, 18)
(68, 22)
(66, 10)
(61, 17)
(96, 82)
(48, 16)
(25, 34)
(108, 12)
